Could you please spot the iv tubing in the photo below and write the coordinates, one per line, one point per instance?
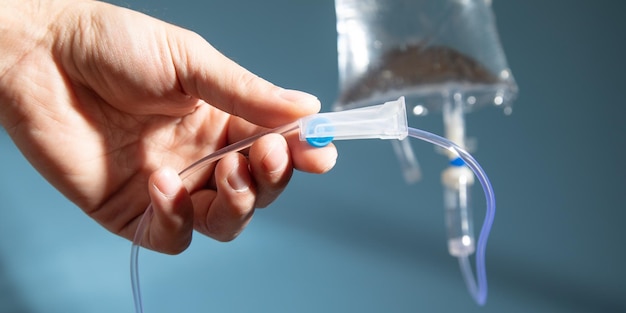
(188, 171)
(478, 289)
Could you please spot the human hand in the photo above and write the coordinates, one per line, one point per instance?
(108, 104)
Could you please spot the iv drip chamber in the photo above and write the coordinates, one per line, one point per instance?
(457, 180)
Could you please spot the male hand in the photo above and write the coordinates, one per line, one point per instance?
(109, 104)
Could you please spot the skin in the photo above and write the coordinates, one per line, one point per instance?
(109, 104)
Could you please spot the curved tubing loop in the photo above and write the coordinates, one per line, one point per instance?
(478, 289)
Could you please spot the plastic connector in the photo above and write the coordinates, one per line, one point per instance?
(384, 121)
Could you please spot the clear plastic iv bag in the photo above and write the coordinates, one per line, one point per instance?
(425, 50)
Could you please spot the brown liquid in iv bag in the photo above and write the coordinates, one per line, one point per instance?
(414, 65)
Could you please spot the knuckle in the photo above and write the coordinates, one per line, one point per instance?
(244, 84)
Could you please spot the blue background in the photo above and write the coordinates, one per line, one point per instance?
(358, 239)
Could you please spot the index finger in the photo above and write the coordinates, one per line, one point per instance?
(207, 74)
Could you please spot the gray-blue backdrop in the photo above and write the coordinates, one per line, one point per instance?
(358, 239)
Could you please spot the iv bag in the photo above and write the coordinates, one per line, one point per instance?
(425, 50)
(441, 55)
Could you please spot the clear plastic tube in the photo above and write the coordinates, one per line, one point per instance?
(188, 171)
(478, 289)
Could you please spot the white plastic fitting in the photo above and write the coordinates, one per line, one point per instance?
(384, 121)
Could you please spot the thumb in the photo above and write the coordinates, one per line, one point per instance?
(207, 74)
(171, 227)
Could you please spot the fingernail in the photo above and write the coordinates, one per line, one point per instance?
(167, 183)
(238, 179)
(329, 158)
(276, 159)
(299, 96)
(331, 162)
